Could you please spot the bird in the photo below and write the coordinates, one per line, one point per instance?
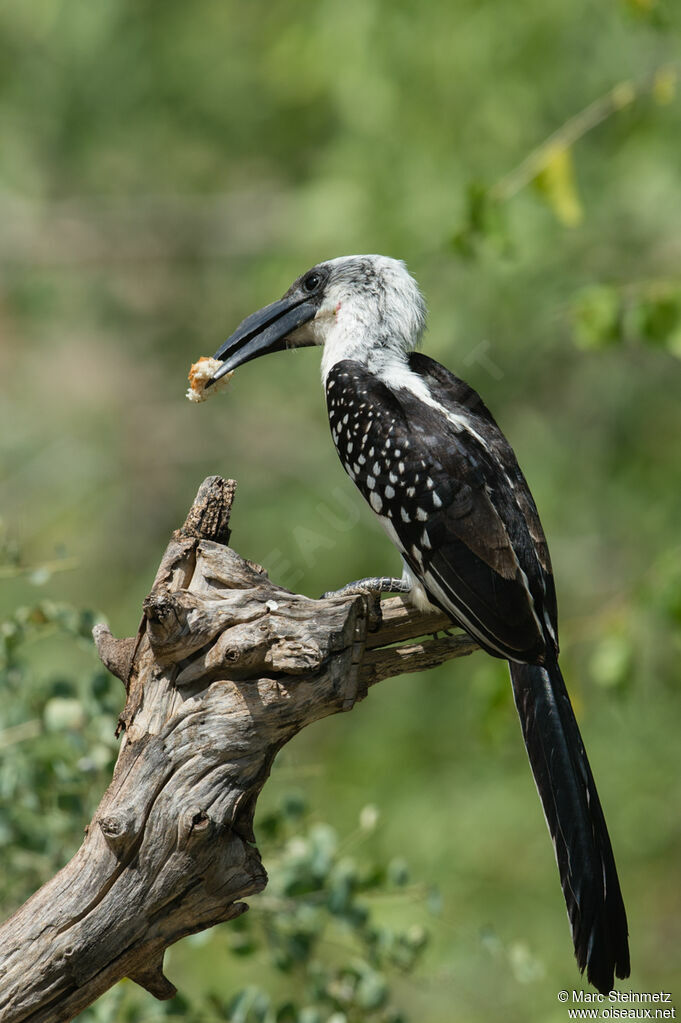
(444, 483)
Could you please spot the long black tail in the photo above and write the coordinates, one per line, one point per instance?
(573, 813)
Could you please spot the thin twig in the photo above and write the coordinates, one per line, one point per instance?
(615, 99)
(49, 567)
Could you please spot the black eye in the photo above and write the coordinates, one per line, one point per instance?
(312, 281)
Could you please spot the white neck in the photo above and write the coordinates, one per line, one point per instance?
(382, 345)
(348, 340)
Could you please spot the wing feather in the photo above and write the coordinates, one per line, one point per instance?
(460, 525)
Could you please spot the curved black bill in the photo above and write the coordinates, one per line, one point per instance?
(263, 332)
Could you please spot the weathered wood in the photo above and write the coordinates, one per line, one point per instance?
(401, 622)
(382, 663)
(226, 669)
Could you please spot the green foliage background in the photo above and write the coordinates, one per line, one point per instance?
(165, 169)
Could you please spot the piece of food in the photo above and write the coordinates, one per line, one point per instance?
(199, 375)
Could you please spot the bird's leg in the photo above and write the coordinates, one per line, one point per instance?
(373, 584)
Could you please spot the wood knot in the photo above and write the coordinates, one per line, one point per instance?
(158, 607)
(166, 618)
(195, 826)
(119, 832)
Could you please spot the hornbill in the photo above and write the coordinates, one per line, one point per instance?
(444, 483)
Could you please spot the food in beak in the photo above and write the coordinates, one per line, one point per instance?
(201, 374)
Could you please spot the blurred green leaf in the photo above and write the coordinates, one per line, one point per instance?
(483, 221)
(556, 183)
(665, 85)
(612, 659)
(597, 317)
(658, 319)
(62, 713)
(372, 991)
(398, 871)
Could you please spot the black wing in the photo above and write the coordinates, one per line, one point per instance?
(448, 489)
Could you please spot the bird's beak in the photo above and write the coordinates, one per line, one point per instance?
(263, 332)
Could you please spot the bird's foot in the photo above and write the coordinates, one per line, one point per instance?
(444, 632)
(374, 584)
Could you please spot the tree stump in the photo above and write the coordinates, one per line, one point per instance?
(226, 668)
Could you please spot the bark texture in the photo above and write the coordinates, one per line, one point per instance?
(225, 669)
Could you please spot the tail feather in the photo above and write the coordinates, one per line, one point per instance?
(575, 819)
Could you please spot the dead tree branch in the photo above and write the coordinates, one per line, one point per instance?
(227, 667)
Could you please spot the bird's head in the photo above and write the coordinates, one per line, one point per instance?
(367, 308)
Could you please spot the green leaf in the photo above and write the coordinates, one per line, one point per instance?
(372, 991)
(597, 317)
(612, 659)
(398, 871)
(664, 85)
(483, 221)
(309, 1015)
(658, 318)
(557, 184)
(62, 713)
(434, 901)
(293, 805)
